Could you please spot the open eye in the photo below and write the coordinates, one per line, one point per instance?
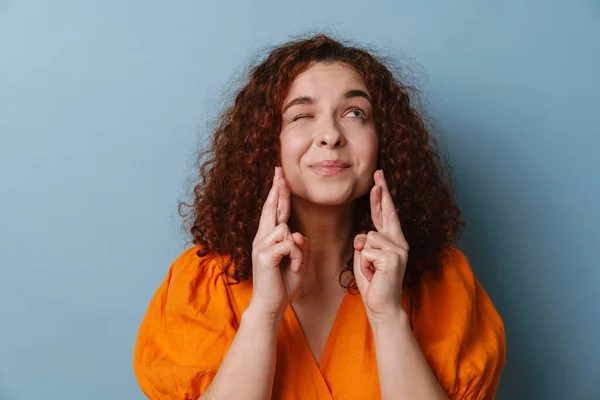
(359, 112)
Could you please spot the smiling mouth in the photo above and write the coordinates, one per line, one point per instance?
(328, 170)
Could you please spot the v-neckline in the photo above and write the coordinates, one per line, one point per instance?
(335, 327)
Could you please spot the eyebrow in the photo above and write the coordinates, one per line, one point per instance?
(309, 100)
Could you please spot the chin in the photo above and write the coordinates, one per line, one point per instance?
(329, 198)
(328, 194)
(330, 201)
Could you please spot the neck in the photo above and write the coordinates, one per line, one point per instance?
(328, 229)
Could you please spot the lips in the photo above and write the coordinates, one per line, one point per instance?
(329, 167)
(330, 164)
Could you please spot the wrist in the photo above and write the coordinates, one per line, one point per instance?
(395, 322)
(256, 317)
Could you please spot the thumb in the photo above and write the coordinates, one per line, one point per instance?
(359, 242)
(302, 242)
(361, 265)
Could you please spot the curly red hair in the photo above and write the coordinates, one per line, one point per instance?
(236, 170)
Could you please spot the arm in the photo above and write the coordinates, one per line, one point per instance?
(249, 365)
(380, 260)
(458, 327)
(248, 369)
(189, 345)
(403, 370)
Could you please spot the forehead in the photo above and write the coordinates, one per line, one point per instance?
(324, 78)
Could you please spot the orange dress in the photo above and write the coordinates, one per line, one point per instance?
(193, 317)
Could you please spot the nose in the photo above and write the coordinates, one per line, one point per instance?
(329, 136)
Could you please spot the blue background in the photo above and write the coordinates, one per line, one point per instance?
(103, 104)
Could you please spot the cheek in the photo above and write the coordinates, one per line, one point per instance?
(369, 150)
(291, 151)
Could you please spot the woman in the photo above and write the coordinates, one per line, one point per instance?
(323, 264)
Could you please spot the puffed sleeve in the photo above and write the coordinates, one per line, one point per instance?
(459, 330)
(185, 332)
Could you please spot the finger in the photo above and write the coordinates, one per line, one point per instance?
(367, 270)
(366, 265)
(380, 259)
(360, 243)
(363, 269)
(376, 240)
(302, 243)
(283, 201)
(290, 249)
(389, 216)
(279, 234)
(293, 252)
(375, 200)
(268, 216)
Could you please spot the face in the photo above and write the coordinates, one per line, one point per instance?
(328, 140)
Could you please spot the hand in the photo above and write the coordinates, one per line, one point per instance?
(274, 284)
(380, 257)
